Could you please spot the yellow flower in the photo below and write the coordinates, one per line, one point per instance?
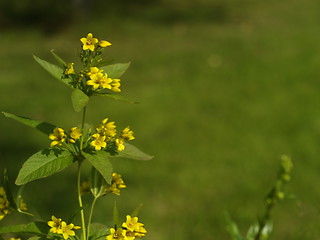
(12, 238)
(116, 234)
(89, 42)
(69, 69)
(66, 230)
(95, 80)
(116, 184)
(4, 204)
(104, 43)
(106, 82)
(115, 85)
(120, 144)
(107, 129)
(94, 70)
(58, 137)
(127, 134)
(75, 133)
(99, 141)
(55, 224)
(132, 224)
(129, 235)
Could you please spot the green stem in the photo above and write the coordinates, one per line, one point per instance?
(82, 127)
(83, 224)
(90, 216)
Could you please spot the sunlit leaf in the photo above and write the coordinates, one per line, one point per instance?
(44, 163)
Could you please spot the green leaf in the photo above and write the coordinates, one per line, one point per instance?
(116, 70)
(38, 228)
(74, 214)
(54, 70)
(44, 127)
(115, 96)
(44, 163)
(59, 59)
(79, 99)
(136, 210)
(97, 231)
(100, 161)
(97, 183)
(8, 191)
(115, 215)
(133, 152)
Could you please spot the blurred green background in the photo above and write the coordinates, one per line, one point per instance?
(225, 88)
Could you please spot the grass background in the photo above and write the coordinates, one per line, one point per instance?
(225, 88)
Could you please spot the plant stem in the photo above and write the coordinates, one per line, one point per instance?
(90, 216)
(82, 126)
(83, 224)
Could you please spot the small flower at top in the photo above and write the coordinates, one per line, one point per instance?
(58, 137)
(55, 224)
(89, 42)
(4, 204)
(75, 133)
(66, 230)
(69, 70)
(98, 142)
(104, 43)
(12, 238)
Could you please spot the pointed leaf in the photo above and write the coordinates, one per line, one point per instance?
(115, 96)
(59, 59)
(54, 70)
(100, 161)
(38, 228)
(116, 70)
(79, 99)
(136, 210)
(44, 163)
(44, 127)
(133, 152)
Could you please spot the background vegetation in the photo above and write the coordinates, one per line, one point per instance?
(225, 88)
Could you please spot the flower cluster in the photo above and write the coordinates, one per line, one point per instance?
(4, 204)
(116, 184)
(58, 136)
(91, 79)
(129, 230)
(103, 138)
(61, 227)
(106, 136)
